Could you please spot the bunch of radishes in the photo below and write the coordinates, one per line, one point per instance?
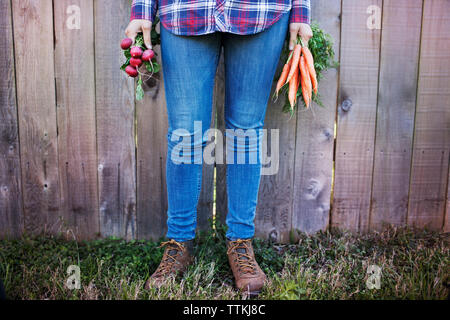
(138, 55)
(136, 58)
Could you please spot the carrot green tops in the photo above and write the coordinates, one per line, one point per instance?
(196, 17)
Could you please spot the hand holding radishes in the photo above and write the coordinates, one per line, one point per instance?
(138, 54)
(137, 26)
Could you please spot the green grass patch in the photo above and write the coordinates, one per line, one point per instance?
(331, 265)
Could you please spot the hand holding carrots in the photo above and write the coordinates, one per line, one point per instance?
(298, 72)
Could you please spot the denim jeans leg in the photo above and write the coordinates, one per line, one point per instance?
(250, 66)
(189, 66)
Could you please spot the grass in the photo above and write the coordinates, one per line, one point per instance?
(331, 265)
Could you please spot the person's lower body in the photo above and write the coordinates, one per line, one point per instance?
(189, 65)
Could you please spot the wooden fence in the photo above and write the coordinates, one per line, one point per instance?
(79, 153)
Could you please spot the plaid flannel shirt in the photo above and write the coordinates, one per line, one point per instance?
(196, 17)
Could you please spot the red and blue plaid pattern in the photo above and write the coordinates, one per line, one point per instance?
(196, 17)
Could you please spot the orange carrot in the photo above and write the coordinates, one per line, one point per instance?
(309, 85)
(296, 78)
(295, 60)
(305, 81)
(310, 64)
(309, 88)
(305, 93)
(284, 74)
(293, 88)
(297, 83)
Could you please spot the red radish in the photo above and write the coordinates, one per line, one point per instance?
(131, 71)
(126, 43)
(135, 62)
(148, 55)
(136, 52)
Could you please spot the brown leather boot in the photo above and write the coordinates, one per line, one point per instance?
(177, 257)
(247, 274)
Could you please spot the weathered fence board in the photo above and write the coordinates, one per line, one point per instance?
(151, 157)
(75, 100)
(11, 223)
(274, 209)
(116, 146)
(430, 163)
(395, 115)
(315, 138)
(33, 31)
(360, 48)
(221, 168)
(447, 210)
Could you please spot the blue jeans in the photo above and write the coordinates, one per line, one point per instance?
(189, 68)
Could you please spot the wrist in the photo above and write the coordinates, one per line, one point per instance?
(300, 14)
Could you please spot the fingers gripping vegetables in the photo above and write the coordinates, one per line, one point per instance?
(138, 57)
(303, 68)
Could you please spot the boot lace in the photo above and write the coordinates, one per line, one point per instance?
(168, 259)
(244, 260)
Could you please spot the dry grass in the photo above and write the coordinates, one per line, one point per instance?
(333, 265)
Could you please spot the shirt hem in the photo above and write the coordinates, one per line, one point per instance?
(230, 30)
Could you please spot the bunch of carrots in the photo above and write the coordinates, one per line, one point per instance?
(299, 71)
